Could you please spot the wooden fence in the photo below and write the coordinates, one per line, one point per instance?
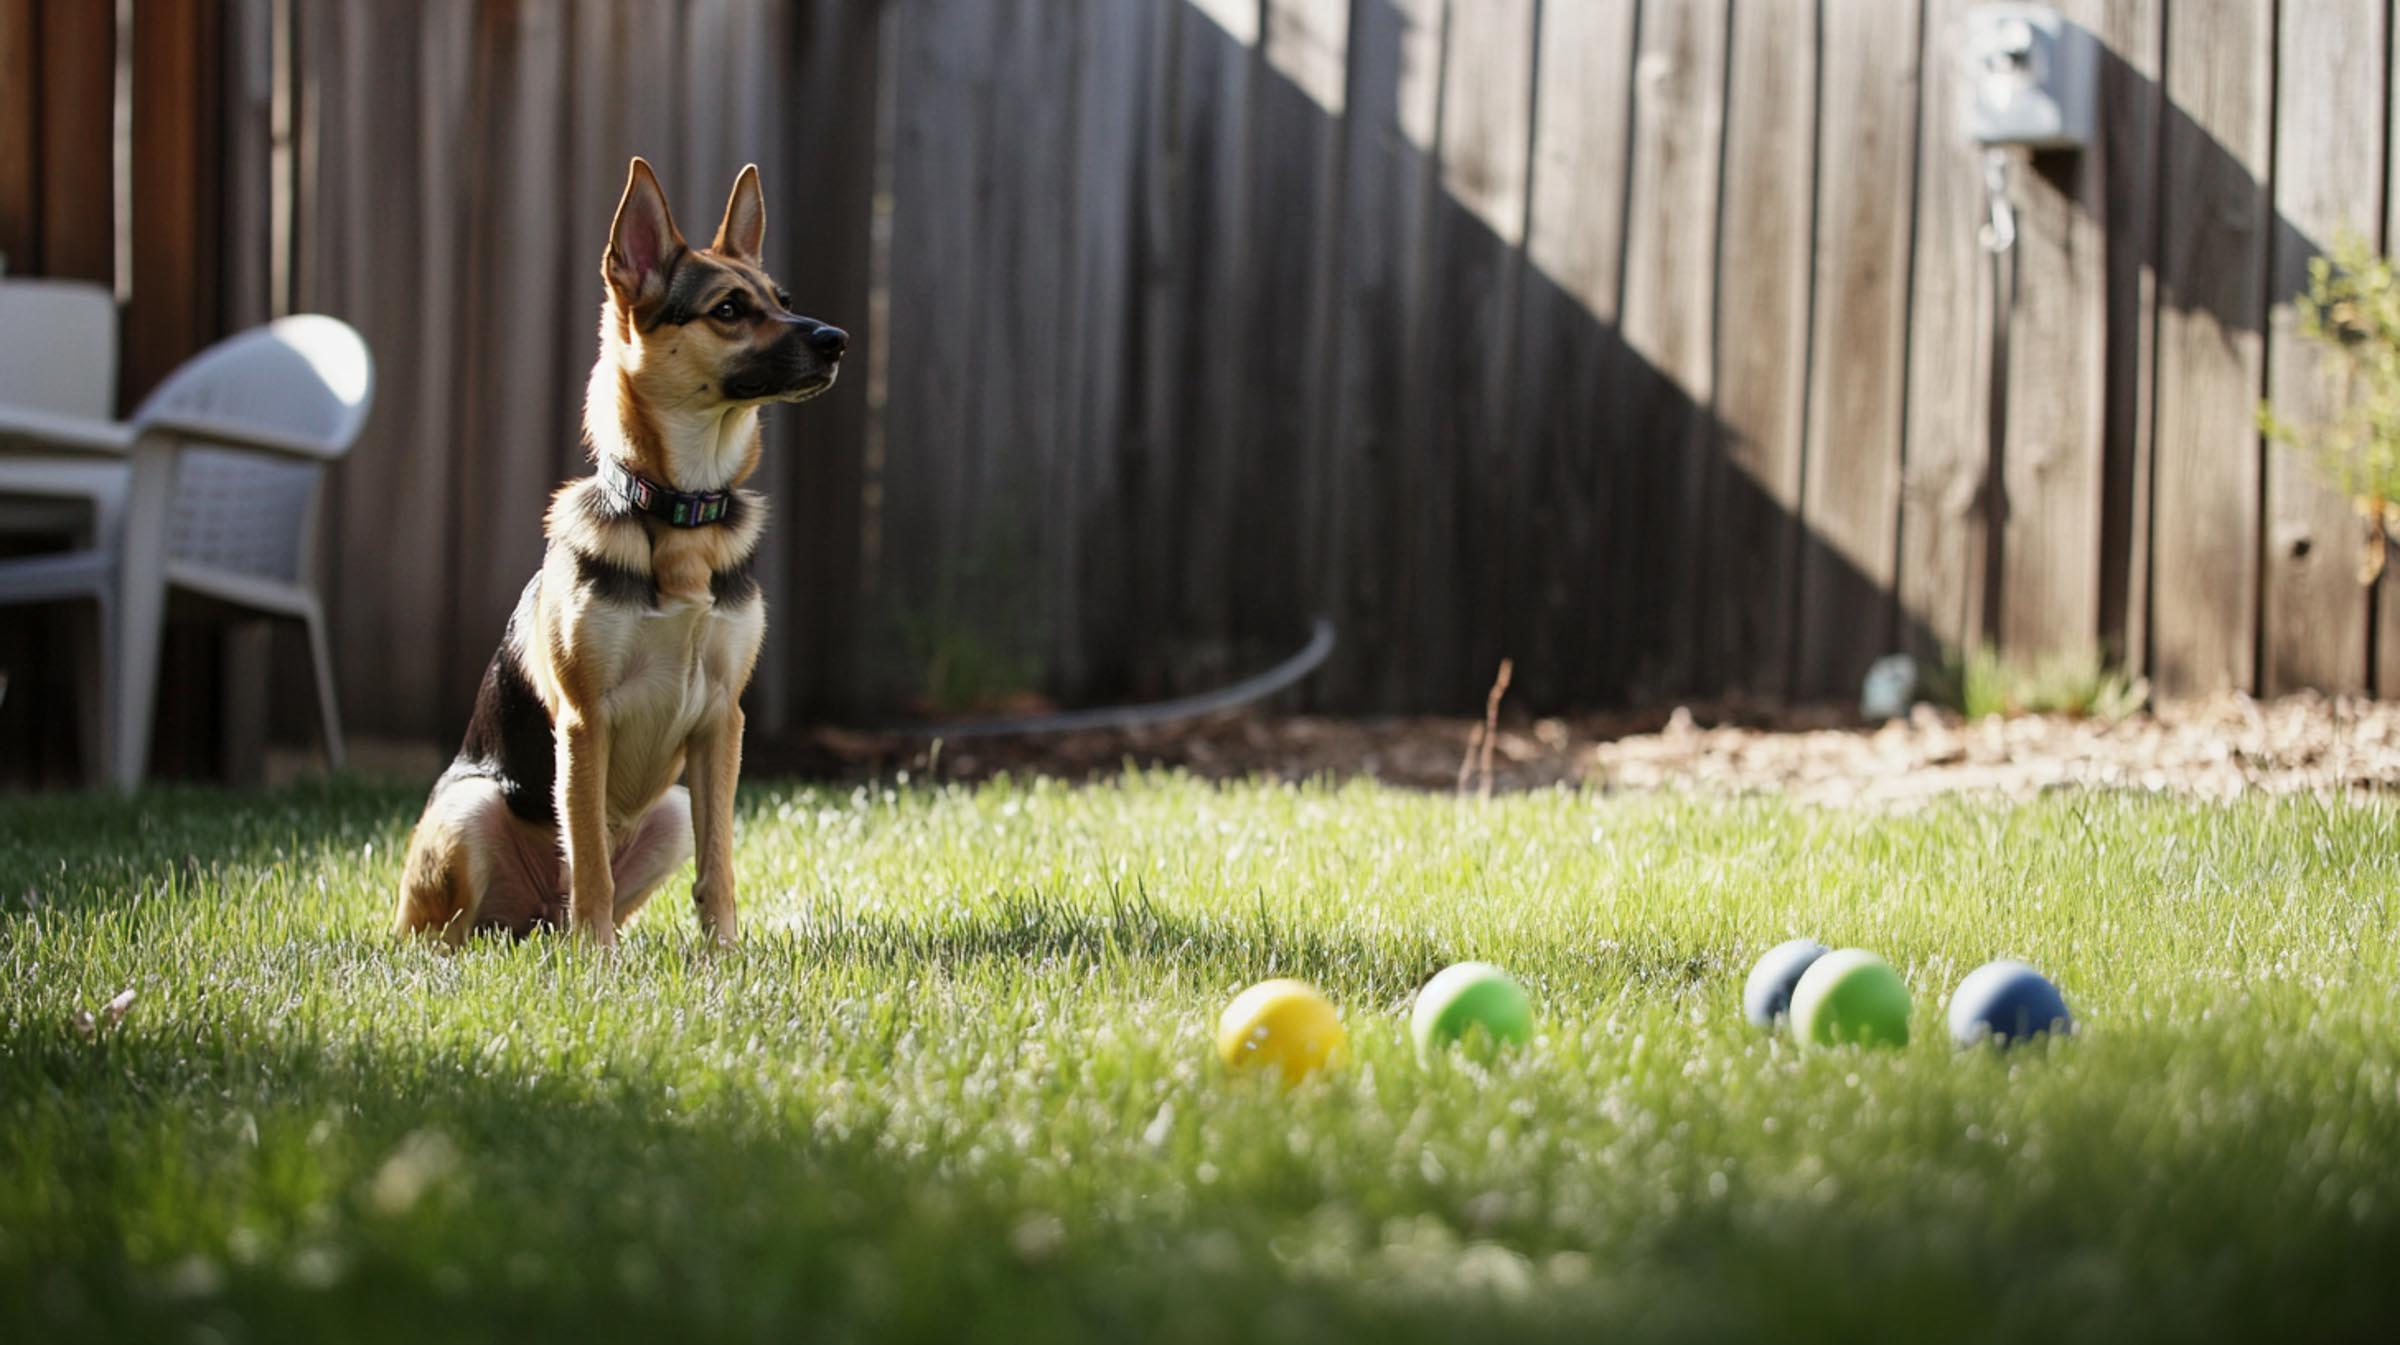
(1647, 342)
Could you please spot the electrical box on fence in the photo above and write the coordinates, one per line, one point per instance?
(2032, 77)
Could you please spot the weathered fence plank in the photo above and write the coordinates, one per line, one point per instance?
(77, 192)
(1216, 57)
(1678, 128)
(515, 407)
(1143, 462)
(1567, 622)
(1101, 381)
(172, 305)
(1867, 155)
(1379, 311)
(2132, 108)
(1946, 495)
(383, 95)
(940, 161)
(20, 134)
(2330, 59)
(1763, 265)
(822, 223)
(2051, 469)
(2212, 274)
(1476, 236)
(1296, 102)
(248, 189)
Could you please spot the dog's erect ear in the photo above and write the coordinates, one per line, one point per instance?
(744, 231)
(642, 242)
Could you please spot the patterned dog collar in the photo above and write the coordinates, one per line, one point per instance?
(682, 509)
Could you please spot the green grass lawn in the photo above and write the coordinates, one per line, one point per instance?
(958, 1080)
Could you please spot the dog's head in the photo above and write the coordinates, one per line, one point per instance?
(707, 327)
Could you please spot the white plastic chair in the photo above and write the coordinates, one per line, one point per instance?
(58, 354)
(222, 465)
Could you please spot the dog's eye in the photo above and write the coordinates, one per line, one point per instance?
(783, 298)
(725, 312)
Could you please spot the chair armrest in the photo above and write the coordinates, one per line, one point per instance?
(231, 434)
(24, 429)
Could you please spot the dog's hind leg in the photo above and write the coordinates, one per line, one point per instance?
(652, 850)
(438, 889)
(475, 865)
(436, 900)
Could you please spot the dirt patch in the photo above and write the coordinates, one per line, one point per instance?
(2215, 748)
(2218, 749)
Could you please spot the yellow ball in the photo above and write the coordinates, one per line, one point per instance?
(1280, 1025)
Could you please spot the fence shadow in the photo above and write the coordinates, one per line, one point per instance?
(1463, 459)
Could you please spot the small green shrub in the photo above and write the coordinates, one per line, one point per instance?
(1981, 682)
(963, 670)
(2352, 309)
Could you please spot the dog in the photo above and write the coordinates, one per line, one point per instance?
(623, 665)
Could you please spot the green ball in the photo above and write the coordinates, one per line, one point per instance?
(1850, 996)
(1471, 1002)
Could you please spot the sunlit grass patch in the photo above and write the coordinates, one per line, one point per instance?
(958, 1079)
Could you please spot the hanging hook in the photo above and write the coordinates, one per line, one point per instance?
(2000, 233)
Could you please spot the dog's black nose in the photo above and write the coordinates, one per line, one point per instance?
(829, 342)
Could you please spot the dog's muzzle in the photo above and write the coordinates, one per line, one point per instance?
(802, 363)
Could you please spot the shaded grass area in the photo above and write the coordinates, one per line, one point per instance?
(957, 1082)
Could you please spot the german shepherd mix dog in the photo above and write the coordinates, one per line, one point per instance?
(624, 663)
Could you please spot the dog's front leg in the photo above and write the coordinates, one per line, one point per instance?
(583, 777)
(714, 765)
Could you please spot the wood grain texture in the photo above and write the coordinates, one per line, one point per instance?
(20, 135)
(2132, 117)
(172, 307)
(1025, 539)
(77, 73)
(384, 104)
(1209, 211)
(2329, 161)
(1764, 251)
(1296, 96)
(2052, 459)
(928, 477)
(515, 407)
(1102, 380)
(1379, 314)
(1669, 306)
(1946, 496)
(822, 221)
(1569, 602)
(2214, 221)
(1851, 501)
(247, 204)
(1142, 466)
(1474, 457)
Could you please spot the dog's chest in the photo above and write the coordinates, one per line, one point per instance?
(676, 663)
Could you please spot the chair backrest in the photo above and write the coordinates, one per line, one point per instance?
(307, 377)
(58, 347)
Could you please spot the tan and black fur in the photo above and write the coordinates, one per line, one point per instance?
(623, 665)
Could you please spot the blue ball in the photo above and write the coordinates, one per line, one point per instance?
(1767, 995)
(2007, 1001)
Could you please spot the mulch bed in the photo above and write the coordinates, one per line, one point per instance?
(2215, 748)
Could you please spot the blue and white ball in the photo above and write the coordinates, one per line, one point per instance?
(1767, 995)
(2006, 1002)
